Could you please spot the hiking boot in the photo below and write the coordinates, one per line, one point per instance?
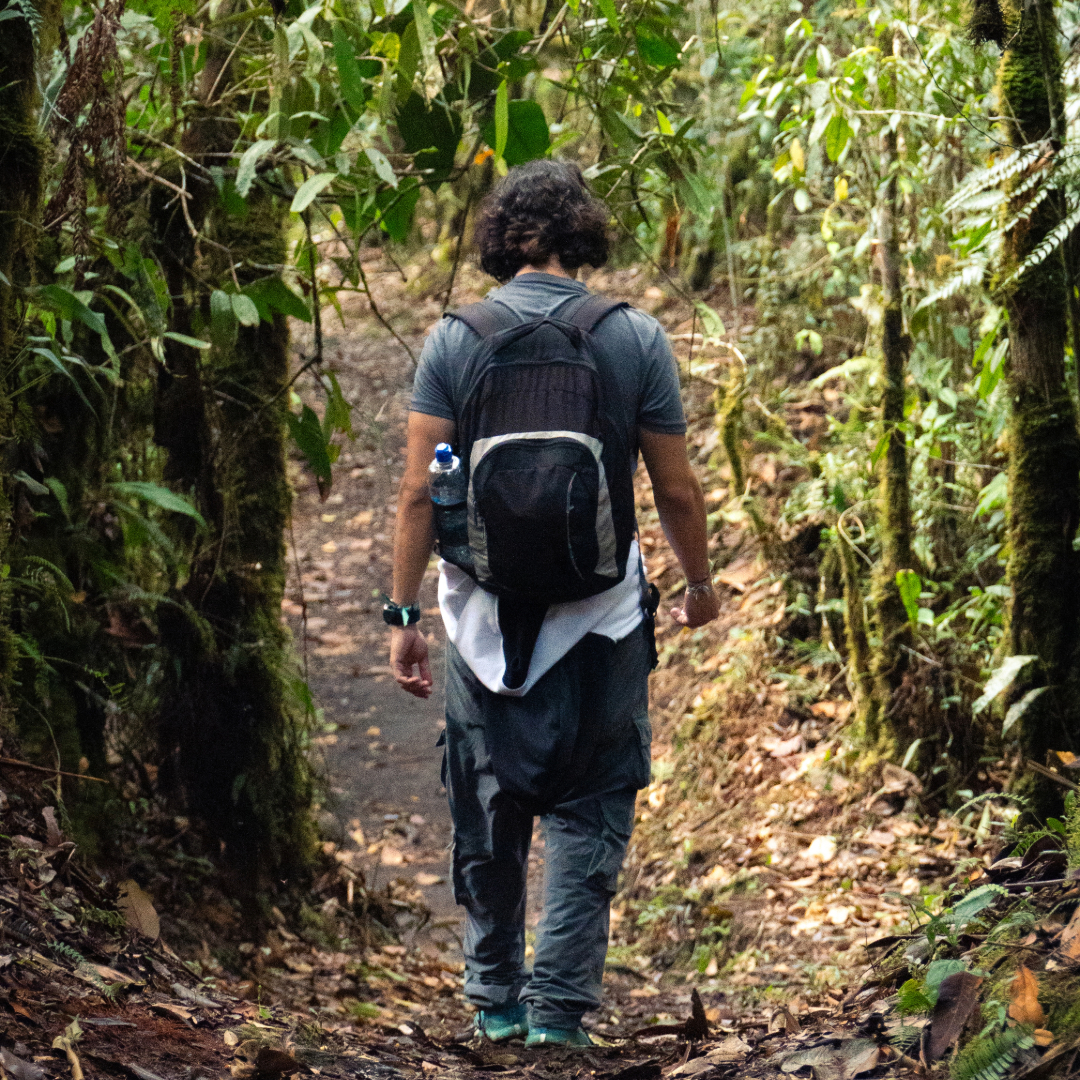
(502, 1024)
(540, 1036)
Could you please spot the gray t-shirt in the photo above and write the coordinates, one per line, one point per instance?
(646, 376)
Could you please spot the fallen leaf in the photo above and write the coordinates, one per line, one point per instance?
(18, 1069)
(54, 837)
(730, 1049)
(697, 1067)
(178, 1012)
(1070, 937)
(230, 1038)
(1042, 1037)
(424, 878)
(842, 1062)
(391, 857)
(1024, 995)
(66, 1042)
(957, 997)
(138, 910)
(373, 732)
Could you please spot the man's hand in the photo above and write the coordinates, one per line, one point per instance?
(409, 651)
(700, 606)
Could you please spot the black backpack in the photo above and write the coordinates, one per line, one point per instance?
(551, 496)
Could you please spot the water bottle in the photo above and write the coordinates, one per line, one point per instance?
(449, 492)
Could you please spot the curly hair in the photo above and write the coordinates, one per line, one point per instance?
(540, 210)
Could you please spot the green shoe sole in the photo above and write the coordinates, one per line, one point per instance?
(503, 1024)
(558, 1037)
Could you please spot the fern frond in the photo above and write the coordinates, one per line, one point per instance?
(1050, 243)
(991, 1059)
(24, 9)
(1028, 208)
(67, 951)
(969, 275)
(996, 174)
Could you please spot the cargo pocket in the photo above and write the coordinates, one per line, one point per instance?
(641, 768)
(616, 821)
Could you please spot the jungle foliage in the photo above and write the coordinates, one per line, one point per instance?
(880, 196)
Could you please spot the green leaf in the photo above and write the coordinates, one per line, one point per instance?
(607, 9)
(879, 449)
(383, 169)
(711, 322)
(55, 485)
(664, 124)
(70, 307)
(309, 437)
(272, 294)
(184, 339)
(249, 161)
(425, 34)
(431, 133)
(937, 972)
(224, 324)
(977, 901)
(28, 482)
(397, 209)
(656, 51)
(527, 136)
(502, 120)
(338, 415)
(159, 495)
(1001, 680)
(350, 79)
(910, 585)
(837, 135)
(309, 190)
(244, 309)
(1017, 710)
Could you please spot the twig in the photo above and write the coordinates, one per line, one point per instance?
(14, 764)
(1042, 770)
(457, 248)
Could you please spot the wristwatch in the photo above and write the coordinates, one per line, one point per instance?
(400, 615)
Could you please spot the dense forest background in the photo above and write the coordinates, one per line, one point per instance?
(871, 210)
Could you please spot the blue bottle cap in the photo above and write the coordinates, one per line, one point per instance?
(443, 454)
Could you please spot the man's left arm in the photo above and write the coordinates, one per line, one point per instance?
(414, 538)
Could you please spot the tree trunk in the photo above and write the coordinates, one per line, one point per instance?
(234, 748)
(890, 659)
(1044, 448)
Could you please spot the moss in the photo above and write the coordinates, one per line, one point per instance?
(729, 419)
(1044, 448)
(855, 627)
(987, 23)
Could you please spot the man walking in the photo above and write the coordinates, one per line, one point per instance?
(547, 394)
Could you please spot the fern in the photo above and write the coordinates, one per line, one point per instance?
(991, 1059)
(23, 9)
(1050, 243)
(68, 952)
(995, 175)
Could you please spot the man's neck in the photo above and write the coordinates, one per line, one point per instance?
(554, 268)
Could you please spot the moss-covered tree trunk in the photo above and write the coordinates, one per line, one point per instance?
(1044, 449)
(234, 748)
(890, 658)
(22, 166)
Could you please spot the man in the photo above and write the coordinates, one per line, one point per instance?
(564, 736)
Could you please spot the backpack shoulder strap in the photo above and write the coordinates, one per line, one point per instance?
(486, 319)
(593, 310)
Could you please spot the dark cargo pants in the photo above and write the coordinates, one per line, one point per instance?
(573, 751)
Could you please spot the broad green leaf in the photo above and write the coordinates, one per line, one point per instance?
(397, 209)
(309, 437)
(1018, 709)
(244, 309)
(910, 586)
(56, 486)
(664, 124)
(1001, 680)
(338, 415)
(383, 169)
(711, 322)
(272, 294)
(72, 307)
(607, 9)
(249, 162)
(425, 33)
(224, 324)
(837, 135)
(20, 476)
(309, 190)
(879, 449)
(656, 51)
(350, 80)
(937, 972)
(527, 134)
(431, 133)
(158, 495)
(502, 120)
